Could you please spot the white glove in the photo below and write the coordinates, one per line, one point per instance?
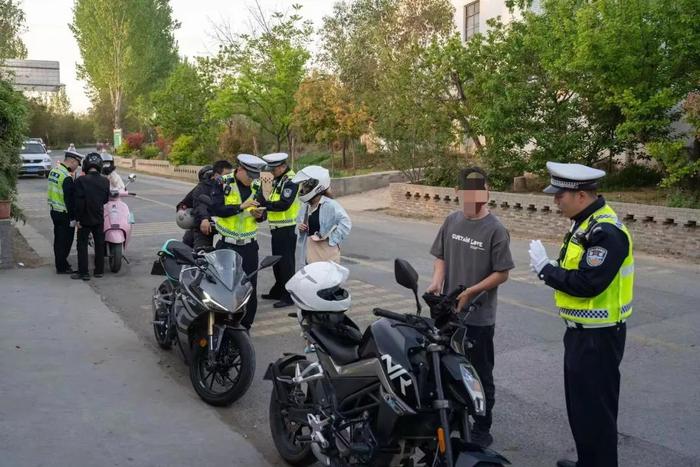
(538, 256)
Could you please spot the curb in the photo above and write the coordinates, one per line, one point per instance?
(37, 242)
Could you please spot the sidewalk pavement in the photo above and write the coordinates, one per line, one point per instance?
(79, 388)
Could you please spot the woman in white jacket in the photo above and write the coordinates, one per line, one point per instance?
(322, 224)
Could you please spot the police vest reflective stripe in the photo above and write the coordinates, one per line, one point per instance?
(614, 304)
(241, 226)
(55, 193)
(288, 217)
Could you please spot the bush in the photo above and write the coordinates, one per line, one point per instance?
(631, 176)
(13, 121)
(163, 144)
(683, 199)
(135, 140)
(186, 150)
(150, 152)
(443, 170)
(124, 150)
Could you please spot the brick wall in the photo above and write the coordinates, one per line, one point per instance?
(654, 229)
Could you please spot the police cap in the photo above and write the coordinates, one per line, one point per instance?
(276, 159)
(252, 164)
(572, 177)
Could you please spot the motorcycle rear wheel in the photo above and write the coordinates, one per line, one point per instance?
(164, 333)
(235, 353)
(284, 434)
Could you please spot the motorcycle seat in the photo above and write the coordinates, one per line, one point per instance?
(178, 250)
(341, 340)
(172, 268)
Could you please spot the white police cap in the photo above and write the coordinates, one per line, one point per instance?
(276, 159)
(252, 164)
(572, 177)
(74, 155)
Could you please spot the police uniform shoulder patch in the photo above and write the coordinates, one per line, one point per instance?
(287, 192)
(595, 256)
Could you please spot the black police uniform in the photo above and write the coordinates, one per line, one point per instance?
(63, 233)
(91, 194)
(592, 356)
(284, 239)
(249, 251)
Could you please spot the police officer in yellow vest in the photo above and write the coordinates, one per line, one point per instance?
(592, 280)
(61, 198)
(282, 209)
(238, 214)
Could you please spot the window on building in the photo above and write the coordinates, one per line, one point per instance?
(471, 20)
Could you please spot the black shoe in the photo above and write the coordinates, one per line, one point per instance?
(269, 296)
(482, 438)
(67, 271)
(283, 304)
(98, 274)
(77, 275)
(565, 463)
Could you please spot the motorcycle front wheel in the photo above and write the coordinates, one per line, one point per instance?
(115, 257)
(224, 379)
(285, 432)
(162, 327)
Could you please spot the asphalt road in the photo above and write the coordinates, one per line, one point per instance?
(659, 420)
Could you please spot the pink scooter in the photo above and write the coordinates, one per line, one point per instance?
(117, 227)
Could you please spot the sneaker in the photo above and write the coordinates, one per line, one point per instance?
(98, 274)
(482, 438)
(565, 463)
(283, 304)
(269, 296)
(77, 275)
(67, 271)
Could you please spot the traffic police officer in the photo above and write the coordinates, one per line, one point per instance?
(592, 280)
(61, 198)
(282, 209)
(238, 213)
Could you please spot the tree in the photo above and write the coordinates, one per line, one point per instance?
(260, 72)
(11, 26)
(127, 48)
(380, 52)
(12, 130)
(328, 112)
(181, 104)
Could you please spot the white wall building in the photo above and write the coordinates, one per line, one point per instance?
(471, 15)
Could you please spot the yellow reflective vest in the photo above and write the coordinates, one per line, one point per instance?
(288, 217)
(614, 304)
(55, 196)
(241, 226)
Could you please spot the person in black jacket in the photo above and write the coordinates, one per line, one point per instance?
(91, 194)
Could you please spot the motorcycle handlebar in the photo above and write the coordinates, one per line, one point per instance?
(389, 314)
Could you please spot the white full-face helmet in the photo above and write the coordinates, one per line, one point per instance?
(184, 218)
(312, 180)
(317, 287)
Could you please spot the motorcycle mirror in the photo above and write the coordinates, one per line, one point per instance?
(269, 261)
(408, 277)
(132, 177)
(265, 263)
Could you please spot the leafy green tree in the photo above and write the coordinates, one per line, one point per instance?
(380, 50)
(12, 21)
(13, 114)
(127, 48)
(260, 72)
(181, 104)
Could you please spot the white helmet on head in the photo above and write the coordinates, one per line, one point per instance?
(184, 219)
(317, 287)
(312, 180)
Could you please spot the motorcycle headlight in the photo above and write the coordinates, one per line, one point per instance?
(210, 302)
(475, 389)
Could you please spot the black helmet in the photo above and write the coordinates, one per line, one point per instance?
(92, 160)
(205, 173)
(107, 163)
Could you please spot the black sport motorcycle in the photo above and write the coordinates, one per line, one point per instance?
(399, 394)
(199, 307)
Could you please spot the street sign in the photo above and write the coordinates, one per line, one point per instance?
(117, 138)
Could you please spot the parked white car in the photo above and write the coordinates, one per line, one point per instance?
(35, 159)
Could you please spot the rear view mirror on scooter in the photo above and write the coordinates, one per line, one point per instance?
(132, 177)
(408, 277)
